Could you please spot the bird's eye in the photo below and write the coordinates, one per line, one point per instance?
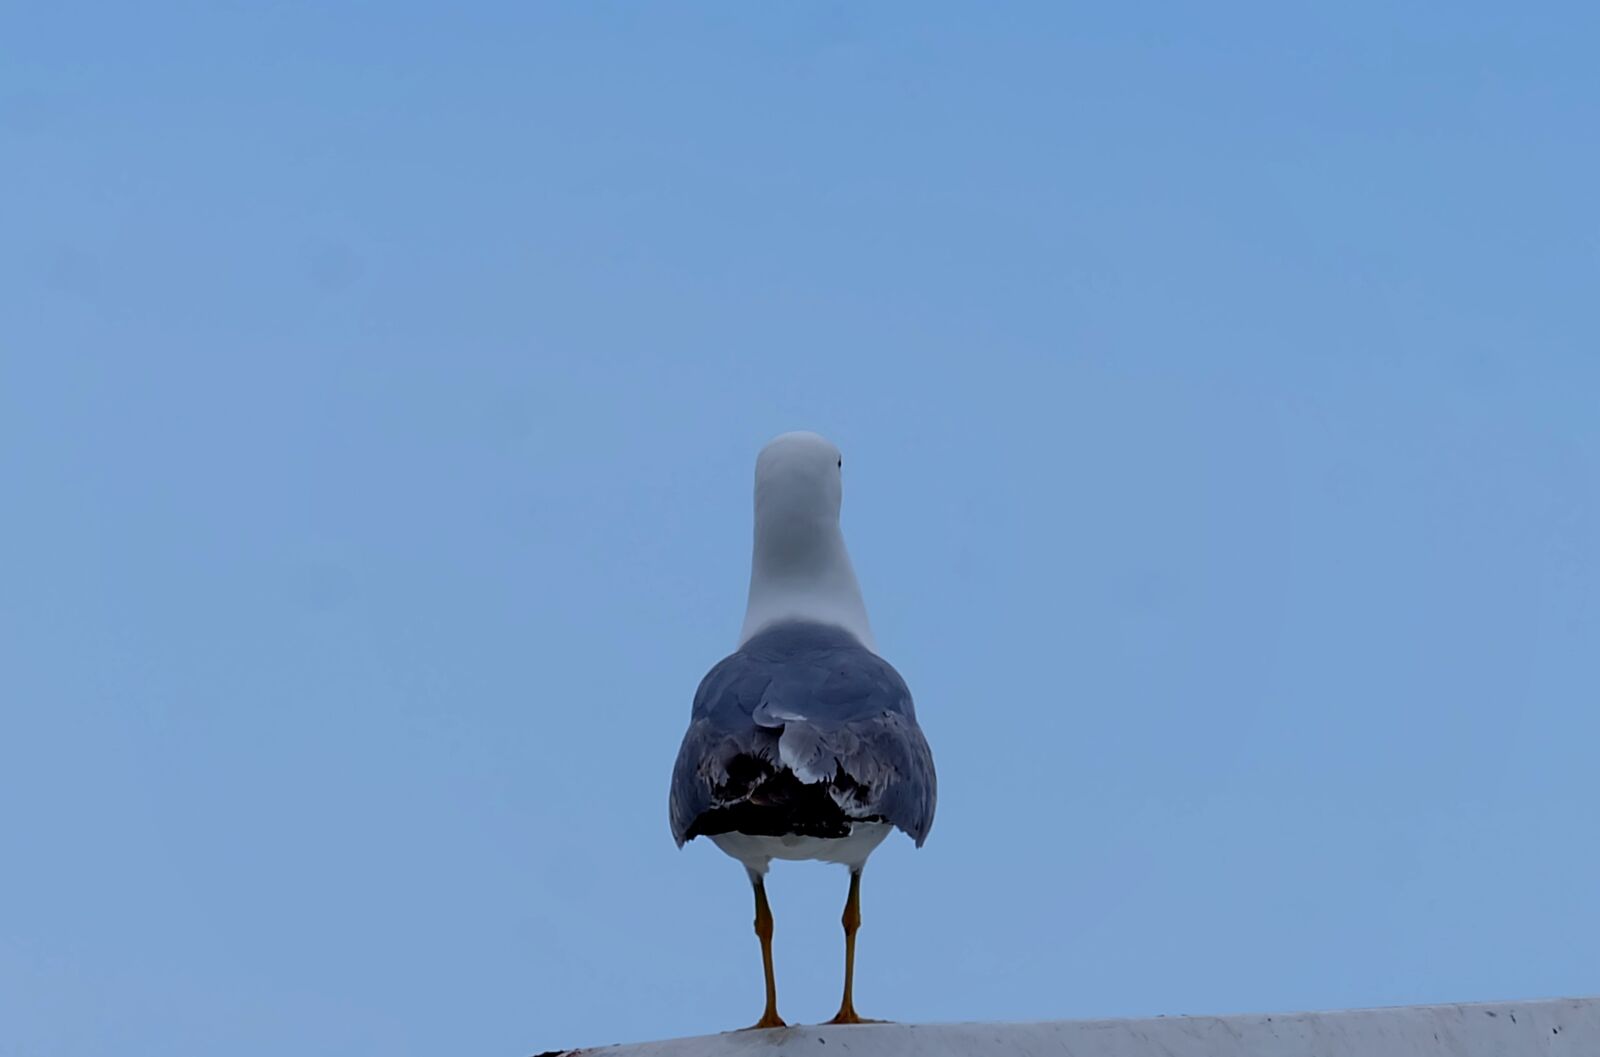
(841, 464)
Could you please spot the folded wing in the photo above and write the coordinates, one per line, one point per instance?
(805, 731)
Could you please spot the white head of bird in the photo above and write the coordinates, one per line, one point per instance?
(799, 567)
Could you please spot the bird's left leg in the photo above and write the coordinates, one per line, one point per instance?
(769, 1015)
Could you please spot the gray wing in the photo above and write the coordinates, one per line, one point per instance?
(812, 701)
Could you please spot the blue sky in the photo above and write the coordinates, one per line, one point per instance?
(379, 392)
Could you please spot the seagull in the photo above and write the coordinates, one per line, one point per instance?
(802, 743)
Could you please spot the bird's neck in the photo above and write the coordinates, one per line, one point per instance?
(800, 570)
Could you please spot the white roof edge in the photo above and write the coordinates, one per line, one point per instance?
(1554, 1027)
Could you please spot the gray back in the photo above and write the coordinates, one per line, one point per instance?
(834, 705)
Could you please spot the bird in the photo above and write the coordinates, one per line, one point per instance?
(803, 744)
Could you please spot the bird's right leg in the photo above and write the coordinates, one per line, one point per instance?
(769, 1016)
(851, 921)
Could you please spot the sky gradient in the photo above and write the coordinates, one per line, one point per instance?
(380, 387)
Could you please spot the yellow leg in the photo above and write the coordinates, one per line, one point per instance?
(851, 921)
(769, 1016)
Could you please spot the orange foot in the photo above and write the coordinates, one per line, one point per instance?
(849, 1016)
(769, 1019)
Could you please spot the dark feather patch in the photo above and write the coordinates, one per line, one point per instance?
(766, 801)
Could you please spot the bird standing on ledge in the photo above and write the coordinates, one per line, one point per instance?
(803, 743)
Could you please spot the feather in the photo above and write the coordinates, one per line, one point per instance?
(802, 730)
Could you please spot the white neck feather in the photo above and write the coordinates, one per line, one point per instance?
(800, 570)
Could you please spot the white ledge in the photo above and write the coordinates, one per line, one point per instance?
(1547, 1027)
